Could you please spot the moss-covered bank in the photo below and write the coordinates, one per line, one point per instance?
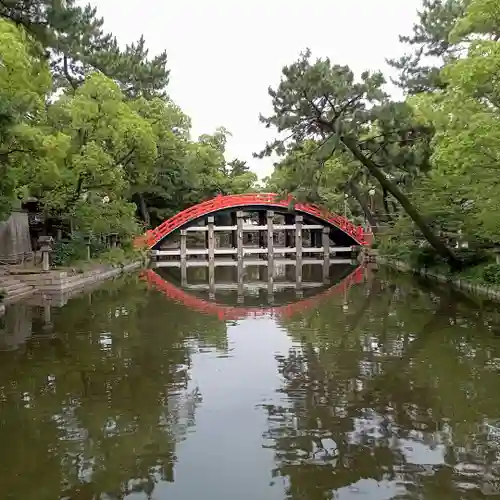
(469, 281)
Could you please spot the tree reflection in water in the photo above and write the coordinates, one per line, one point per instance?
(400, 401)
(99, 407)
(390, 395)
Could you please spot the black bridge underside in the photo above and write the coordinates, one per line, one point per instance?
(222, 218)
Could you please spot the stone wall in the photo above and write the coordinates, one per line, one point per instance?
(15, 242)
(15, 327)
(487, 291)
(61, 282)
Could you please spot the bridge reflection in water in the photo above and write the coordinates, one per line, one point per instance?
(235, 292)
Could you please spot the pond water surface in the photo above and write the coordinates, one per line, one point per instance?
(381, 390)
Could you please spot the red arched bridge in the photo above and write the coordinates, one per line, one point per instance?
(226, 313)
(349, 233)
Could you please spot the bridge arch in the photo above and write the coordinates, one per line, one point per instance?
(153, 237)
(227, 313)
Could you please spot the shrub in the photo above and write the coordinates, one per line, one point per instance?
(115, 256)
(70, 251)
(426, 257)
(491, 274)
(472, 256)
(2, 295)
(66, 252)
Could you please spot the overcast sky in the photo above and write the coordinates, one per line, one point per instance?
(224, 54)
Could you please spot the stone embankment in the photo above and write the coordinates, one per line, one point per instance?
(18, 283)
(481, 290)
(13, 289)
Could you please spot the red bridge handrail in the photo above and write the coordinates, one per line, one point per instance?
(152, 237)
(228, 313)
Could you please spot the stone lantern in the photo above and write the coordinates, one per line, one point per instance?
(87, 240)
(45, 243)
(496, 252)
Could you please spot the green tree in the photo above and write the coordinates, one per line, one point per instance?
(324, 181)
(237, 167)
(77, 45)
(24, 82)
(430, 46)
(110, 144)
(464, 179)
(323, 102)
(239, 177)
(103, 148)
(160, 187)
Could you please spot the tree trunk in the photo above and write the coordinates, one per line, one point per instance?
(386, 205)
(441, 248)
(143, 209)
(353, 188)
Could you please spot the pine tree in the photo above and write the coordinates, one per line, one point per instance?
(431, 48)
(76, 43)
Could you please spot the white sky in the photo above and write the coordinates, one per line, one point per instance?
(224, 54)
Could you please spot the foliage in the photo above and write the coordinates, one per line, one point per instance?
(115, 256)
(71, 36)
(68, 251)
(491, 274)
(24, 82)
(76, 249)
(89, 130)
(356, 123)
(430, 46)
(120, 256)
(430, 161)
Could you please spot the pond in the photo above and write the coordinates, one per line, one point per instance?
(382, 388)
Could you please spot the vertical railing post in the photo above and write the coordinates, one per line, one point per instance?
(326, 253)
(262, 236)
(270, 256)
(239, 234)
(326, 243)
(211, 239)
(240, 276)
(270, 241)
(183, 245)
(184, 280)
(47, 316)
(298, 250)
(289, 220)
(211, 280)
(234, 233)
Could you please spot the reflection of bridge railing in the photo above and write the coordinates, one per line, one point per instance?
(255, 285)
(224, 312)
(249, 262)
